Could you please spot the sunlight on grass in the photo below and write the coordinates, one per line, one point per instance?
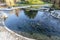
(35, 2)
(30, 2)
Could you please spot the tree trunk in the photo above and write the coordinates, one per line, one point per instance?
(59, 3)
(54, 4)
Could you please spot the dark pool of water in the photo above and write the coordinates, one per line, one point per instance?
(31, 22)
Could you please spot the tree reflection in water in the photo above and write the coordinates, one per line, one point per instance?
(31, 13)
(17, 12)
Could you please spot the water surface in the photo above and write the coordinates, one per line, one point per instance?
(33, 23)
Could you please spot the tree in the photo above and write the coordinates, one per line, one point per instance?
(54, 4)
(59, 3)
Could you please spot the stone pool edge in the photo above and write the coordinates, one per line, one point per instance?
(18, 36)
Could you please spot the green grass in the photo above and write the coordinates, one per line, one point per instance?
(30, 4)
(36, 7)
(24, 3)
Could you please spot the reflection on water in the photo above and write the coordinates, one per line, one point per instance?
(31, 14)
(33, 23)
(17, 12)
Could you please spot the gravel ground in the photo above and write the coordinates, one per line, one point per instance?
(5, 35)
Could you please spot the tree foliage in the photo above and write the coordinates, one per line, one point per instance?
(35, 2)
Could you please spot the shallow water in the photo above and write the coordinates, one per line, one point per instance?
(32, 23)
